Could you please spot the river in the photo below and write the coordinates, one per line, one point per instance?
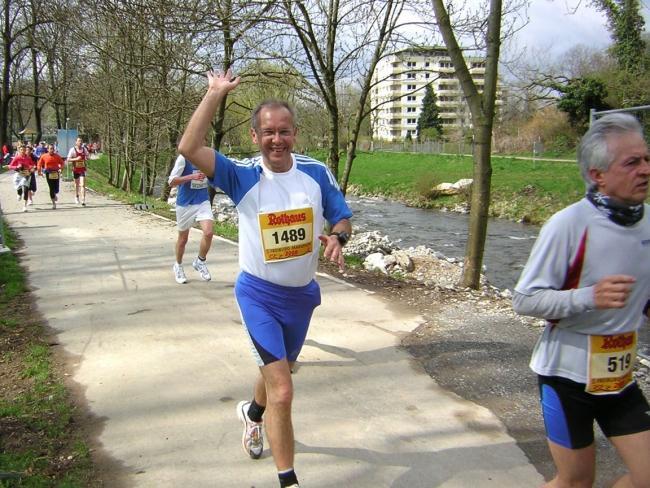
(506, 249)
(507, 246)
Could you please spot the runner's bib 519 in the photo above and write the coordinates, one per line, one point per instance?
(611, 361)
(287, 234)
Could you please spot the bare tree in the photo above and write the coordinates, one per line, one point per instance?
(482, 110)
(341, 41)
(16, 23)
(384, 25)
(231, 21)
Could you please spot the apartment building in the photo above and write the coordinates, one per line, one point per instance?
(398, 84)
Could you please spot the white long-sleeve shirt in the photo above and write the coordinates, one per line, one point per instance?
(575, 249)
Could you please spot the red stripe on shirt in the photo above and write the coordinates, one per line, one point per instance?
(575, 270)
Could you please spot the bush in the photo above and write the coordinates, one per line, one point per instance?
(548, 125)
(424, 186)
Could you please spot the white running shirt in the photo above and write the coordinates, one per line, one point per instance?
(256, 189)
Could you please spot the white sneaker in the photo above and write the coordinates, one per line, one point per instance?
(31, 202)
(53, 205)
(179, 274)
(202, 268)
(252, 439)
(24, 208)
(76, 200)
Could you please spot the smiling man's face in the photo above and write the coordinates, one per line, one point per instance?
(275, 136)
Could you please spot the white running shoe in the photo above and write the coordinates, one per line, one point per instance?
(202, 268)
(252, 439)
(76, 200)
(179, 274)
(53, 205)
(31, 202)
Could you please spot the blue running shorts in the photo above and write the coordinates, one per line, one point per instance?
(276, 317)
(569, 412)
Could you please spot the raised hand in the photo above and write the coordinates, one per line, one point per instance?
(221, 82)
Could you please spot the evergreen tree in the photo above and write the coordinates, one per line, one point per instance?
(578, 96)
(429, 122)
(626, 26)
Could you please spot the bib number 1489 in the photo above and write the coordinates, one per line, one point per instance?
(291, 235)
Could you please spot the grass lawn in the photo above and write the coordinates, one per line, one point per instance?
(522, 190)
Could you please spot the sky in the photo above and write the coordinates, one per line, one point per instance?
(554, 29)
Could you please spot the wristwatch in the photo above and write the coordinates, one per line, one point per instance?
(342, 236)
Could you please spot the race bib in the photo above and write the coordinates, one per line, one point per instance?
(611, 361)
(79, 164)
(54, 175)
(198, 184)
(287, 234)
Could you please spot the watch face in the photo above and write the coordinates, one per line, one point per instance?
(343, 238)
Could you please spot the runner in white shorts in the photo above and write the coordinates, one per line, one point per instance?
(192, 205)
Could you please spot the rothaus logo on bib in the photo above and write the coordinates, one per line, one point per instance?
(287, 234)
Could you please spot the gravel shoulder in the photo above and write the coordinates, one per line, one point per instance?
(475, 346)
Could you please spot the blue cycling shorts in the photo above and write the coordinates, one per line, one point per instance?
(275, 317)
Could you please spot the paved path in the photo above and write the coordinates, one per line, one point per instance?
(162, 366)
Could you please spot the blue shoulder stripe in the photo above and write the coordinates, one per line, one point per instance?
(306, 160)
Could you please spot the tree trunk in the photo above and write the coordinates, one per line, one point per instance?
(481, 106)
(38, 119)
(153, 171)
(107, 144)
(480, 205)
(333, 156)
(5, 94)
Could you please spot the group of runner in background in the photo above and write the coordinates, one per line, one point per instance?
(28, 161)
